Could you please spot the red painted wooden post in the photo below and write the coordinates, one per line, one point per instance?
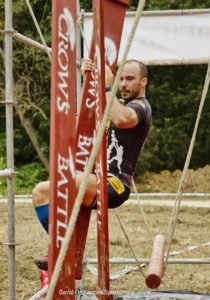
(115, 12)
(62, 141)
(101, 160)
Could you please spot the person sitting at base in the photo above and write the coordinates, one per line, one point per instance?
(128, 129)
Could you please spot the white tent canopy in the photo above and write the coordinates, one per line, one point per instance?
(164, 37)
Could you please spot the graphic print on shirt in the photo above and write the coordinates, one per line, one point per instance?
(114, 152)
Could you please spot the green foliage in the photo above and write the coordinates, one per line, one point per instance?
(86, 5)
(174, 94)
(170, 4)
(28, 176)
(31, 78)
(2, 162)
(23, 145)
(158, 4)
(2, 181)
(2, 145)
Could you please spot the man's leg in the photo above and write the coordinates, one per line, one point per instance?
(91, 188)
(41, 193)
(40, 199)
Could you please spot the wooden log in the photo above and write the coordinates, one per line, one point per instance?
(156, 266)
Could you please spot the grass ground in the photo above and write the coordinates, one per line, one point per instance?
(192, 229)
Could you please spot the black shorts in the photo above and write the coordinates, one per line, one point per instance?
(118, 193)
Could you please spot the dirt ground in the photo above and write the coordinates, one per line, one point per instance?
(197, 181)
(192, 229)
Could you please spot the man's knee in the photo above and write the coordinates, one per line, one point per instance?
(40, 194)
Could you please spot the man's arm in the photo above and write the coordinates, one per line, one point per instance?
(122, 116)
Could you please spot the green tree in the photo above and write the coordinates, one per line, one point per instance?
(32, 84)
(174, 93)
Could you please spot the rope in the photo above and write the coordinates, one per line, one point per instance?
(38, 29)
(80, 22)
(40, 293)
(126, 236)
(142, 211)
(172, 223)
(91, 160)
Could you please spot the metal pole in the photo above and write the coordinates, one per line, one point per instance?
(169, 195)
(175, 62)
(27, 41)
(178, 12)
(34, 44)
(147, 260)
(10, 145)
(161, 62)
(5, 173)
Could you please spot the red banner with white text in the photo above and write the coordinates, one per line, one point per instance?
(101, 159)
(62, 141)
(114, 14)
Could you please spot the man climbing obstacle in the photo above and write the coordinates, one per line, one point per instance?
(126, 133)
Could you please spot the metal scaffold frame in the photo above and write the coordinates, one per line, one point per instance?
(10, 144)
(10, 33)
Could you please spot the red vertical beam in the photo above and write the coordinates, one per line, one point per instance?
(114, 12)
(101, 160)
(62, 141)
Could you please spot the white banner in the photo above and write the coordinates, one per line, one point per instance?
(184, 38)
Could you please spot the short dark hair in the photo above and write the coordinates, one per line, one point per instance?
(142, 67)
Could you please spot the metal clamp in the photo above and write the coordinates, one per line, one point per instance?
(9, 102)
(12, 31)
(10, 244)
(8, 173)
